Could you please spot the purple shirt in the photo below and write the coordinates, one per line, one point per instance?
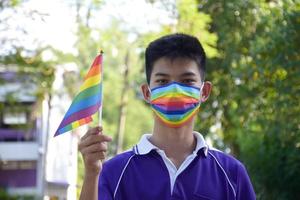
(213, 175)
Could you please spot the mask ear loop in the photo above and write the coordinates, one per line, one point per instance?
(201, 92)
(149, 101)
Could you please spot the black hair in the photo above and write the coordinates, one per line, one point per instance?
(174, 46)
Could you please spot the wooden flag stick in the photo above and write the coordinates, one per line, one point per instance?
(101, 107)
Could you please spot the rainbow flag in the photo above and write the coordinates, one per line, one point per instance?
(88, 100)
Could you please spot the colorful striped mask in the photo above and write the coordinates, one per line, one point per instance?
(175, 104)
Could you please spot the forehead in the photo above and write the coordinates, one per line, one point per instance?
(175, 67)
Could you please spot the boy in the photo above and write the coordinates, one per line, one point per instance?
(174, 161)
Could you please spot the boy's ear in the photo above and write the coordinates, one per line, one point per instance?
(207, 87)
(146, 92)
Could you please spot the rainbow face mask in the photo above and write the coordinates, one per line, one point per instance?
(175, 104)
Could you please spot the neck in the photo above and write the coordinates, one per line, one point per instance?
(177, 143)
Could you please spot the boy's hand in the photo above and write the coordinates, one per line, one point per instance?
(93, 147)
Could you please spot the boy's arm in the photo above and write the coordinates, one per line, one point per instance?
(89, 188)
(93, 147)
(245, 189)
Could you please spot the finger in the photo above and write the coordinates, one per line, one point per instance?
(92, 131)
(92, 139)
(92, 157)
(95, 148)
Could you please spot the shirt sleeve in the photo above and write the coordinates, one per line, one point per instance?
(245, 189)
(104, 191)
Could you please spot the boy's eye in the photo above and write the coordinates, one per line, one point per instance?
(188, 81)
(161, 81)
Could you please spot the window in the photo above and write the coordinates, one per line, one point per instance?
(14, 118)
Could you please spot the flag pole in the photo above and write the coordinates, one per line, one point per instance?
(101, 88)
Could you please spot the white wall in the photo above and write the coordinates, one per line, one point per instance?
(61, 162)
(14, 151)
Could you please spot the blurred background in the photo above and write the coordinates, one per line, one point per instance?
(46, 47)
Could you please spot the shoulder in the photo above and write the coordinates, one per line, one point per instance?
(225, 160)
(111, 172)
(118, 162)
(113, 168)
(232, 168)
(228, 164)
(235, 173)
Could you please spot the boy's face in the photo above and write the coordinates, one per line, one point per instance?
(180, 70)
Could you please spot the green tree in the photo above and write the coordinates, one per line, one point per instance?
(255, 98)
(117, 48)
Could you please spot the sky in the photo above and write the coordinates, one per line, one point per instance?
(57, 26)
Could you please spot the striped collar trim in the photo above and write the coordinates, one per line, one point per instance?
(144, 146)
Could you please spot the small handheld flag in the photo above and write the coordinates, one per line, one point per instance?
(88, 100)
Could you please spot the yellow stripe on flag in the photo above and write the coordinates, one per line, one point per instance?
(94, 80)
(75, 124)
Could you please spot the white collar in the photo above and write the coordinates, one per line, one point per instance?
(144, 146)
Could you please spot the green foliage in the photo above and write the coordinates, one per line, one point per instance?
(253, 111)
(191, 21)
(188, 20)
(115, 45)
(31, 71)
(5, 196)
(256, 91)
(9, 3)
(137, 109)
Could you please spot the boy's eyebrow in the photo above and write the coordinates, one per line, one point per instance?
(182, 75)
(188, 74)
(161, 74)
